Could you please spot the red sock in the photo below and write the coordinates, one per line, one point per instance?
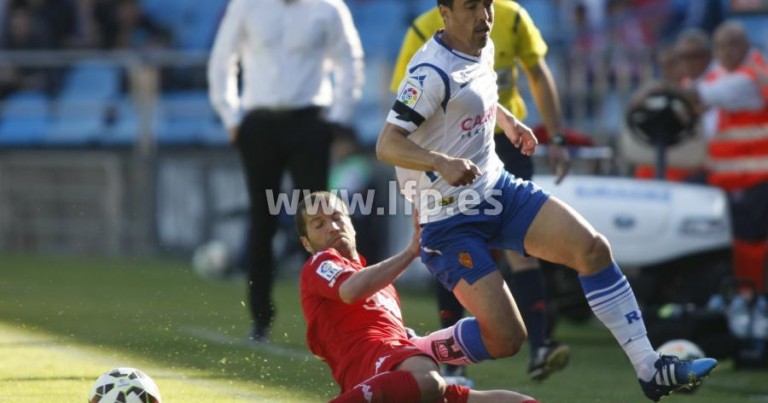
(460, 394)
(396, 386)
(749, 262)
(456, 394)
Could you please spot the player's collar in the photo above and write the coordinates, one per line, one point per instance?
(361, 259)
(455, 52)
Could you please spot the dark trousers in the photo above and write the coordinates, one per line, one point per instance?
(271, 143)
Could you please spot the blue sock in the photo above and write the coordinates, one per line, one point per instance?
(613, 302)
(467, 335)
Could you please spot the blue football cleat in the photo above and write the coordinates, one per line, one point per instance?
(673, 374)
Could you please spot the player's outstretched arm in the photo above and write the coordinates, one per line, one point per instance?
(518, 133)
(371, 279)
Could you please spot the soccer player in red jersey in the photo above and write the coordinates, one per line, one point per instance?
(353, 316)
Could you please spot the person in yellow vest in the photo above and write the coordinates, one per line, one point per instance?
(738, 151)
(517, 41)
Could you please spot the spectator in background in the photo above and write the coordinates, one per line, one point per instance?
(518, 42)
(652, 15)
(123, 25)
(582, 63)
(54, 21)
(705, 15)
(21, 33)
(689, 62)
(288, 51)
(668, 64)
(736, 89)
(694, 54)
(624, 44)
(738, 151)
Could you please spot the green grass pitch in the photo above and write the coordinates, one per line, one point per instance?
(64, 321)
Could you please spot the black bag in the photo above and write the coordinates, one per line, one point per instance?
(706, 328)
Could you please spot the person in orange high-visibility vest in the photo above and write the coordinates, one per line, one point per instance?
(738, 151)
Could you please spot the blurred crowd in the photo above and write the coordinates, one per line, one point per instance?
(617, 32)
(80, 24)
(597, 44)
(71, 25)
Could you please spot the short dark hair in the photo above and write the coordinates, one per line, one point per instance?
(312, 199)
(447, 3)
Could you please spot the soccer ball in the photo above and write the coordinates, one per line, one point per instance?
(684, 350)
(211, 260)
(124, 385)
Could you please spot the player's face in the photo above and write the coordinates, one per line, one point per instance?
(468, 24)
(330, 228)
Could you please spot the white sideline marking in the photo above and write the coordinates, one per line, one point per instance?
(220, 338)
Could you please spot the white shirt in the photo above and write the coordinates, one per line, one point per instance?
(709, 118)
(458, 121)
(288, 51)
(732, 91)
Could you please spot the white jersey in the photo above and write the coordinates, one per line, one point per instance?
(447, 101)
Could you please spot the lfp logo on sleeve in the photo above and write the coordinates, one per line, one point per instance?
(410, 94)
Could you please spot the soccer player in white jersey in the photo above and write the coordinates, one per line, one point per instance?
(439, 135)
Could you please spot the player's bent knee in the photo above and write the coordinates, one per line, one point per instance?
(507, 345)
(431, 385)
(595, 255)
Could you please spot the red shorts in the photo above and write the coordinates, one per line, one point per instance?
(377, 357)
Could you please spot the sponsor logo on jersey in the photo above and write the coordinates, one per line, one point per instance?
(474, 125)
(465, 259)
(329, 271)
(410, 94)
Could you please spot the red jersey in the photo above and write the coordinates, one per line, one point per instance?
(357, 340)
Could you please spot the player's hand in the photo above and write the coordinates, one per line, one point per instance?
(457, 171)
(559, 160)
(517, 132)
(233, 132)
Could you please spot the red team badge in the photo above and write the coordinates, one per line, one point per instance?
(446, 350)
(466, 260)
